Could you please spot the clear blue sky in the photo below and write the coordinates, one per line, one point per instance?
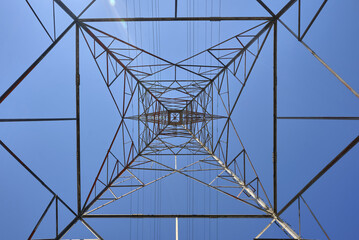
(305, 88)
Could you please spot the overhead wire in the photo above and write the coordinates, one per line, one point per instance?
(154, 51)
(138, 197)
(192, 76)
(131, 197)
(187, 159)
(219, 40)
(211, 60)
(143, 195)
(160, 158)
(207, 190)
(136, 44)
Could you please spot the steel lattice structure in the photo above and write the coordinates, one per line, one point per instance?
(175, 116)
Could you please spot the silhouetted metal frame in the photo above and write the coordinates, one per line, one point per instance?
(80, 24)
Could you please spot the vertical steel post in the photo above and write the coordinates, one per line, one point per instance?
(275, 116)
(176, 3)
(57, 216)
(299, 19)
(78, 163)
(177, 228)
(176, 162)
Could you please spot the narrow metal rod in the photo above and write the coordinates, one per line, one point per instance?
(34, 175)
(176, 162)
(316, 219)
(35, 119)
(37, 17)
(330, 69)
(285, 8)
(275, 190)
(265, 229)
(54, 17)
(299, 18)
(37, 61)
(78, 159)
(169, 19)
(67, 228)
(281, 238)
(266, 7)
(176, 228)
(26, 167)
(320, 118)
(321, 173)
(299, 222)
(321, 61)
(42, 217)
(176, 3)
(57, 216)
(91, 229)
(174, 216)
(313, 20)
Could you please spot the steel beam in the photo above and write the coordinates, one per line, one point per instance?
(278, 239)
(319, 118)
(175, 216)
(176, 8)
(275, 190)
(78, 159)
(174, 19)
(35, 119)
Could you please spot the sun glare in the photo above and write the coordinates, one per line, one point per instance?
(112, 2)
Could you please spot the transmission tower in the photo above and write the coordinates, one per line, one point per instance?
(174, 118)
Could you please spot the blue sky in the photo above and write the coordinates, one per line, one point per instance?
(305, 88)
